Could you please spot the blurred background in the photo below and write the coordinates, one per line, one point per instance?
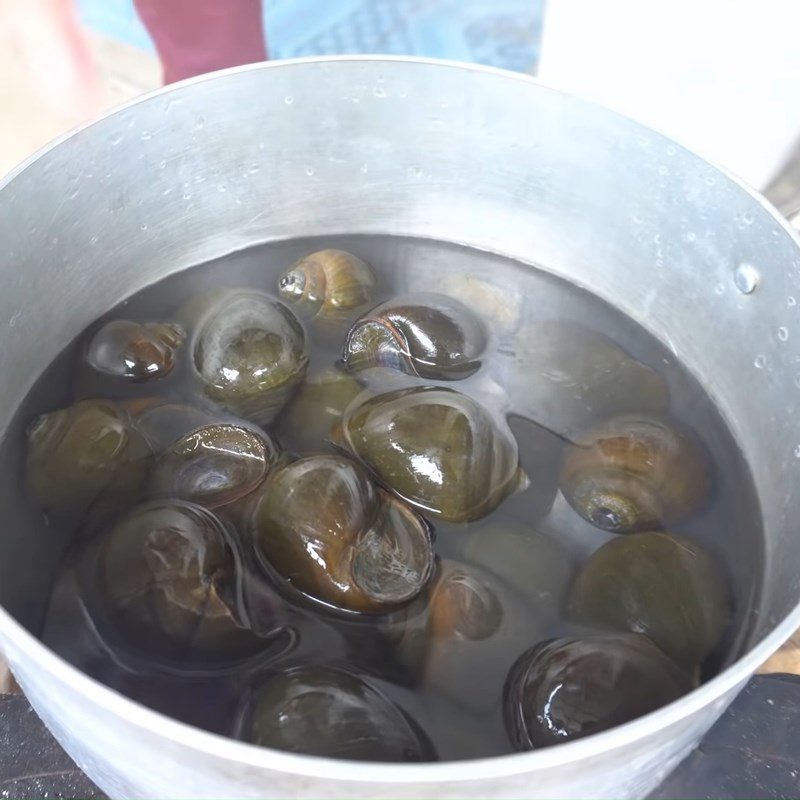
(37, 101)
(720, 76)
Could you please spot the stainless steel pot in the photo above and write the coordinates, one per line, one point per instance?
(400, 146)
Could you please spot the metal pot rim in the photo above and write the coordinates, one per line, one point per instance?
(368, 772)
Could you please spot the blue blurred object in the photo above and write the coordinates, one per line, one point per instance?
(116, 19)
(501, 33)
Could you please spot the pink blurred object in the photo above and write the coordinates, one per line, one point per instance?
(55, 56)
(197, 36)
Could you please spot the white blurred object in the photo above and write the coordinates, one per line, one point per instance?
(720, 76)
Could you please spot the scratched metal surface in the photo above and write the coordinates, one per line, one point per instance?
(501, 33)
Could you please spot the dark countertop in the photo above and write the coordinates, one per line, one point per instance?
(752, 752)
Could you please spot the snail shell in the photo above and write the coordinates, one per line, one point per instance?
(565, 689)
(423, 334)
(437, 449)
(327, 284)
(135, 351)
(333, 712)
(77, 453)
(659, 584)
(308, 420)
(168, 579)
(322, 525)
(565, 376)
(634, 472)
(249, 353)
(214, 465)
(465, 630)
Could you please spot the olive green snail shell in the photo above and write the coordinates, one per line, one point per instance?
(307, 422)
(214, 465)
(249, 354)
(659, 584)
(76, 453)
(437, 449)
(565, 376)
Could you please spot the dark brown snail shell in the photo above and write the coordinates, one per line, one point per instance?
(437, 449)
(168, 579)
(427, 335)
(565, 689)
(335, 713)
(136, 351)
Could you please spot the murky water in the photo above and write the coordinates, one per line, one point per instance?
(459, 703)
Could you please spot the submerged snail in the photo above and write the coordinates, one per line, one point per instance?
(317, 407)
(76, 453)
(437, 449)
(465, 631)
(335, 713)
(322, 525)
(424, 334)
(462, 618)
(136, 351)
(532, 564)
(565, 689)
(214, 465)
(634, 472)
(169, 579)
(659, 584)
(162, 421)
(460, 604)
(327, 284)
(249, 353)
(564, 376)
(463, 605)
